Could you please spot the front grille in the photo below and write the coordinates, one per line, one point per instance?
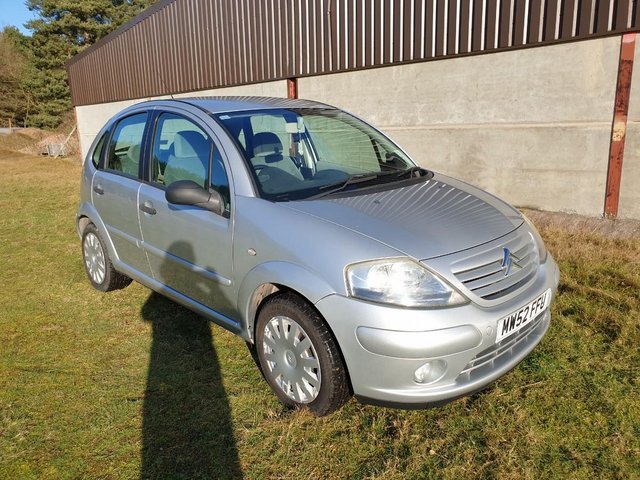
(483, 275)
(507, 345)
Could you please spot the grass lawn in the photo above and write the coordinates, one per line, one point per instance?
(130, 385)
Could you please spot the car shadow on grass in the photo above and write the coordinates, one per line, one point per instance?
(186, 427)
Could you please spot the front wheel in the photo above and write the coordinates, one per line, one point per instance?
(299, 357)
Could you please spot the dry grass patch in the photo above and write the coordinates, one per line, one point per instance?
(130, 385)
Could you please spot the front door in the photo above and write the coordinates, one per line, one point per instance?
(189, 248)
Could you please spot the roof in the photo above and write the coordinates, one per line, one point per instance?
(234, 104)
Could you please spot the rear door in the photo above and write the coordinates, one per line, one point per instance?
(115, 190)
(189, 248)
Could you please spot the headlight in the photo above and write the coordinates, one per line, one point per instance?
(400, 282)
(542, 250)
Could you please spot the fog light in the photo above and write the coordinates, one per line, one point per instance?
(430, 371)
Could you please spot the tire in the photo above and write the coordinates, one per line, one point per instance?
(299, 357)
(97, 263)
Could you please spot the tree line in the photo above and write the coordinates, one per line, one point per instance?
(33, 81)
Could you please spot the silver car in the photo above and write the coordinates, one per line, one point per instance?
(347, 268)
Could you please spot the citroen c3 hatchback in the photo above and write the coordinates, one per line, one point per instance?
(347, 268)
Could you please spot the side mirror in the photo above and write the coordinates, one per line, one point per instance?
(188, 192)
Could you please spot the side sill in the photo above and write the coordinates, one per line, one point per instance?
(210, 314)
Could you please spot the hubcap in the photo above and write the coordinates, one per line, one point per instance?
(94, 258)
(291, 359)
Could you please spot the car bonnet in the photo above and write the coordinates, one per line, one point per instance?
(430, 219)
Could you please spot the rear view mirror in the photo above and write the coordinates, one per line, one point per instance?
(295, 127)
(188, 192)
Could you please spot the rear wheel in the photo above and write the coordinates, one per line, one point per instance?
(299, 357)
(97, 263)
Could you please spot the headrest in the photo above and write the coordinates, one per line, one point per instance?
(134, 153)
(266, 143)
(190, 144)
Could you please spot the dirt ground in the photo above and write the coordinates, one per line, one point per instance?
(34, 141)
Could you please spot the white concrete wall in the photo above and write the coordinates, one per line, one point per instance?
(91, 118)
(531, 126)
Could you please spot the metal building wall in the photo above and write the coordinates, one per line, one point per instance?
(189, 45)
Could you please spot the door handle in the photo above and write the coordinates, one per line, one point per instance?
(147, 207)
(98, 189)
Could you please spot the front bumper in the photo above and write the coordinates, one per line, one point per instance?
(384, 346)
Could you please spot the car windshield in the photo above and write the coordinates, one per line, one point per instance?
(307, 153)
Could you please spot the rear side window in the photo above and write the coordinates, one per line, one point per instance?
(125, 148)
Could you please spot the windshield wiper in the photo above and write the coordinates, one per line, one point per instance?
(342, 184)
(381, 177)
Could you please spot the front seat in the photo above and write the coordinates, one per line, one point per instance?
(189, 159)
(267, 150)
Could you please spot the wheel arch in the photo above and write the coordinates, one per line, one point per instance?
(83, 221)
(274, 278)
(88, 214)
(271, 278)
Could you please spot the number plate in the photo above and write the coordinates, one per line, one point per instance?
(518, 319)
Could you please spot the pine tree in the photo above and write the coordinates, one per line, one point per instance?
(63, 29)
(15, 100)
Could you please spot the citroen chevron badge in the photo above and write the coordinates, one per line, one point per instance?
(507, 261)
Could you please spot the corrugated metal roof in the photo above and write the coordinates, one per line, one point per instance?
(189, 45)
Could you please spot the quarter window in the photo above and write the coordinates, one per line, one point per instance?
(126, 145)
(97, 153)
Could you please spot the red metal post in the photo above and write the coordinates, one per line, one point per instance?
(292, 88)
(619, 126)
